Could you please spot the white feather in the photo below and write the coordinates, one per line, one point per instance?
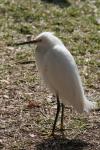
(59, 71)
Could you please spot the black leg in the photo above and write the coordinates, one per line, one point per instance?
(62, 117)
(57, 114)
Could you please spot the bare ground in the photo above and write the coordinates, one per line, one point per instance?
(27, 112)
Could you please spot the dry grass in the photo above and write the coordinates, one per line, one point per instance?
(27, 108)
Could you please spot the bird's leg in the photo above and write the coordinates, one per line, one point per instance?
(57, 114)
(62, 116)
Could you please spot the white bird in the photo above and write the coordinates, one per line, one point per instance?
(59, 71)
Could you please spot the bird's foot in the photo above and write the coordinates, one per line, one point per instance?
(62, 131)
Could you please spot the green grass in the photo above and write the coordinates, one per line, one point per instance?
(75, 22)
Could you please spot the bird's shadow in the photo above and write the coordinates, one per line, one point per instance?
(61, 3)
(59, 143)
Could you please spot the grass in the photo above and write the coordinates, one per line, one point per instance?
(25, 125)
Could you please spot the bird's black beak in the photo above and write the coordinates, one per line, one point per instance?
(26, 42)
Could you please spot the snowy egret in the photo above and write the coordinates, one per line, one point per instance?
(59, 71)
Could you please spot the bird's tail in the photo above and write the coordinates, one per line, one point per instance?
(89, 105)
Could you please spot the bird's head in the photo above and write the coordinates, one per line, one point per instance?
(44, 39)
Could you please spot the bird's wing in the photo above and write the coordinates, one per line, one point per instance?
(61, 74)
